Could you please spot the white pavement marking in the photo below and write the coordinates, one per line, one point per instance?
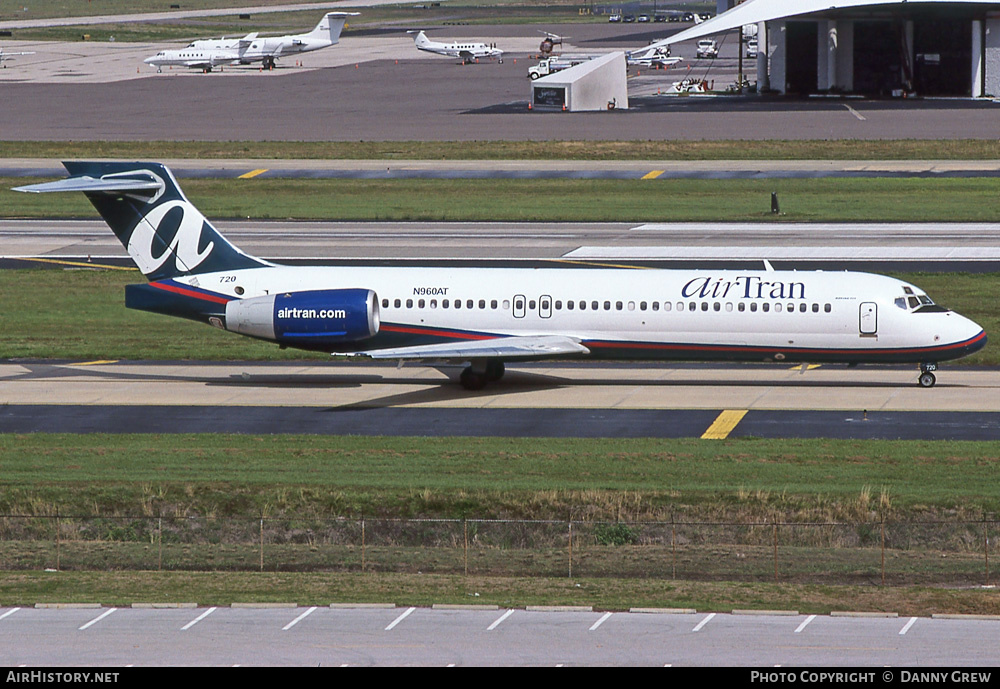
(804, 623)
(600, 621)
(703, 622)
(907, 626)
(9, 613)
(198, 619)
(499, 620)
(298, 619)
(400, 618)
(98, 618)
(854, 112)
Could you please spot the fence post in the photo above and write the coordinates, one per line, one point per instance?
(883, 549)
(775, 531)
(986, 547)
(159, 541)
(571, 548)
(262, 544)
(57, 542)
(362, 543)
(465, 549)
(673, 547)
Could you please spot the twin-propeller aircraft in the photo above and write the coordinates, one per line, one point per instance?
(489, 316)
(468, 50)
(207, 54)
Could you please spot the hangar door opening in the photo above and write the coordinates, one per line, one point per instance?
(802, 64)
(878, 57)
(942, 62)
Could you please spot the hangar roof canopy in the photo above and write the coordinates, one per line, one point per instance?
(754, 11)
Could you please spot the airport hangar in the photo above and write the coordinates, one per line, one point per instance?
(868, 47)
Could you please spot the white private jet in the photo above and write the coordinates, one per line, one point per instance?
(8, 55)
(468, 51)
(208, 53)
(658, 56)
(488, 316)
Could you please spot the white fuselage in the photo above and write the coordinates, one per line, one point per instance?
(649, 314)
(465, 50)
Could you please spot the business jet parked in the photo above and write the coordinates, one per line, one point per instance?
(491, 316)
(652, 57)
(208, 53)
(469, 52)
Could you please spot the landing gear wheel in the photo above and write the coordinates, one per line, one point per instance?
(473, 380)
(494, 370)
(927, 379)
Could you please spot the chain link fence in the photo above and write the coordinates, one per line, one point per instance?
(884, 553)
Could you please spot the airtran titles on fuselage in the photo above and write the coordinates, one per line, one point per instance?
(743, 287)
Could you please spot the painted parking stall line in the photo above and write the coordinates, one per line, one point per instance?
(805, 623)
(399, 619)
(198, 619)
(600, 621)
(9, 613)
(906, 627)
(499, 620)
(698, 627)
(298, 619)
(98, 618)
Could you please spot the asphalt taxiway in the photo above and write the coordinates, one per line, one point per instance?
(533, 400)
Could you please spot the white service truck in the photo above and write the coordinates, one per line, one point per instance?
(551, 65)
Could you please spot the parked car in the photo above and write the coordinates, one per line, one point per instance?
(643, 18)
(707, 48)
(629, 18)
(659, 17)
(615, 18)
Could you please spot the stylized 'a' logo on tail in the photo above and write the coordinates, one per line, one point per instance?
(164, 233)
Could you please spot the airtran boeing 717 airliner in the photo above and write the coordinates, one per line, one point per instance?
(487, 316)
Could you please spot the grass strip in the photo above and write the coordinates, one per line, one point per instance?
(317, 476)
(123, 588)
(555, 200)
(841, 149)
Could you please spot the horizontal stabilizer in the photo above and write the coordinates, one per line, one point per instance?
(87, 183)
(495, 348)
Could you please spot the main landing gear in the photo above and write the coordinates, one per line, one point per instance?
(476, 376)
(927, 378)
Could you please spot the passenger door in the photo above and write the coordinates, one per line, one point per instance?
(869, 318)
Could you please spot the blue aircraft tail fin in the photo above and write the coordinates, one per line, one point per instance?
(165, 235)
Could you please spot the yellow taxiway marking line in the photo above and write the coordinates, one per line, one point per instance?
(253, 173)
(654, 174)
(76, 263)
(95, 363)
(809, 367)
(601, 265)
(724, 424)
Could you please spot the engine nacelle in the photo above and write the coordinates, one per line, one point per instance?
(308, 320)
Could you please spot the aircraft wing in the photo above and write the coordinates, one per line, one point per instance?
(516, 347)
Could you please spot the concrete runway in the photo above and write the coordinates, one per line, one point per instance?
(830, 246)
(533, 400)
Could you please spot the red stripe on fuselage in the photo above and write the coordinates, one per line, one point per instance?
(184, 291)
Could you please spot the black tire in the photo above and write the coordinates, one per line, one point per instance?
(927, 379)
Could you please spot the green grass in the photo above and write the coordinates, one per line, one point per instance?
(962, 149)
(530, 478)
(551, 200)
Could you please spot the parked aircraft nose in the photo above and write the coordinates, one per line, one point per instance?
(966, 335)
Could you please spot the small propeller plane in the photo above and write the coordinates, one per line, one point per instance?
(468, 51)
